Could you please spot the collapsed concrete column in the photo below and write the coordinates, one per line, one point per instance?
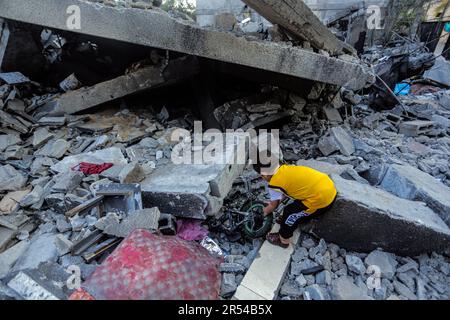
(155, 28)
(365, 218)
(297, 18)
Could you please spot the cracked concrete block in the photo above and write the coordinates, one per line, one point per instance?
(380, 219)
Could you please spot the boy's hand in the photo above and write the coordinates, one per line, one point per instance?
(271, 207)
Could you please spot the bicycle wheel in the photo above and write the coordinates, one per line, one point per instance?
(258, 225)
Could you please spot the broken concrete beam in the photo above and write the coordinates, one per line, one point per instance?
(132, 83)
(410, 183)
(299, 20)
(144, 27)
(378, 219)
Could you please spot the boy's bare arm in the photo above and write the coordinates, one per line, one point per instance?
(271, 207)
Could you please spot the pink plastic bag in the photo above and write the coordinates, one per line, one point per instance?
(191, 230)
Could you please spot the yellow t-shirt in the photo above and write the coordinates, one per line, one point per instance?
(315, 189)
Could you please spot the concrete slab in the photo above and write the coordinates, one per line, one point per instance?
(365, 218)
(197, 190)
(410, 183)
(156, 28)
(181, 190)
(264, 278)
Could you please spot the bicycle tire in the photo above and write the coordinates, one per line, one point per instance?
(266, 225)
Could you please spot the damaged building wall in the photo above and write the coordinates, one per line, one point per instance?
(208, 10)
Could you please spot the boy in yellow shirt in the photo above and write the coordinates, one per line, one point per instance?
(312, 193)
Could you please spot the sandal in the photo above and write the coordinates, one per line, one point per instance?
(274, 238)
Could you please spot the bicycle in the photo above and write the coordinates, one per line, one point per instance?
(249, 220)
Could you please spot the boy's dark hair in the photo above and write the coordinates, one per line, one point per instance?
(265, 160)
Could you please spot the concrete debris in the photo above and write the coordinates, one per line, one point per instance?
(298, 19)
(63, 245)
(345, 289)
(131, 173)
(54, 149)
(11, 179)
(52, 121)
(8, 140)
(67, 182)
(9, 257)
(143, 219)
(439, 72)
(387, 154)
(339, 140)
(41, 136)
(384, 261)
(13, 78)
(10, 202)
(41, 249)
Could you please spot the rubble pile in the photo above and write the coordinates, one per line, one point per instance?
(86, 154)
(323, 271)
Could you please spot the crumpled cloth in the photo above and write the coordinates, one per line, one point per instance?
(91, 168)
(191, 230)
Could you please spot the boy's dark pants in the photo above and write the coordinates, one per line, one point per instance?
(294, 215)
